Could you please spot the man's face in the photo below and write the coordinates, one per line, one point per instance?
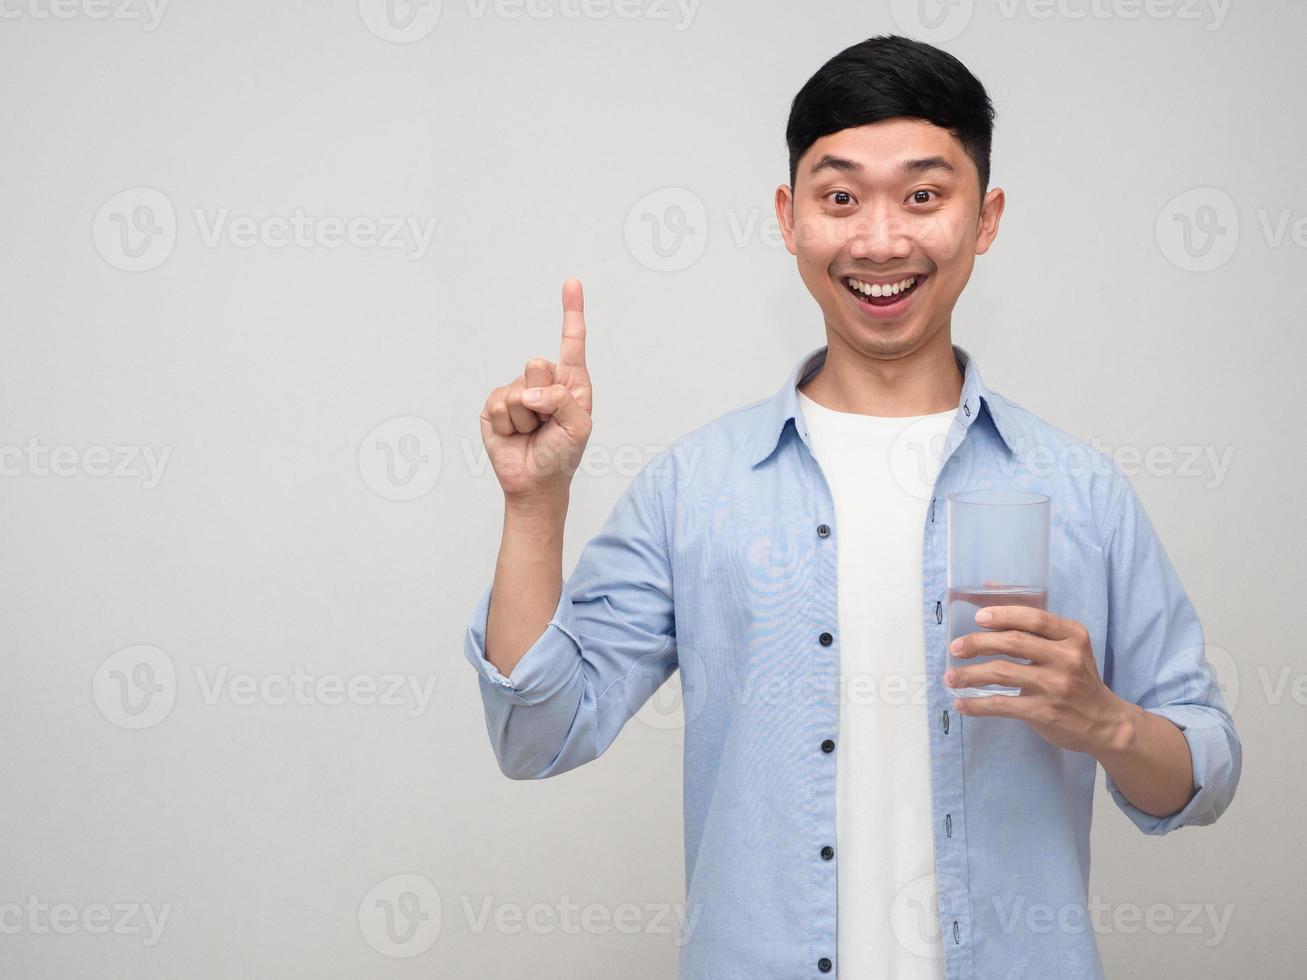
(894, 204)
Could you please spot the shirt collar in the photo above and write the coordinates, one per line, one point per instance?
(784, 405)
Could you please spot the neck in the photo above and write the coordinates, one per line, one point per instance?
(924, 381)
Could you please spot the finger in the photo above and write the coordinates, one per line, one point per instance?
(496, 412)
(1004, 672)
(995, 705)
(557, 402)
(1012, 643)
(572, 352)
(523, 418)
(539, 372)
(1028, 618)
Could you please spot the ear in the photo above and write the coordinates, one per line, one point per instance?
(785, 215)
(991, 210)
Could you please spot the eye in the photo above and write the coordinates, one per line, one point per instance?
(842, 198)
(917, 196)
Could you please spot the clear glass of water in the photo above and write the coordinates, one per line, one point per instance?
(998, 555)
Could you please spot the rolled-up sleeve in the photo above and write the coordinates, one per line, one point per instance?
(1155, 657)
(610, 643)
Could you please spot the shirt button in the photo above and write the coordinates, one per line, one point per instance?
(828, 746)
(825, 639)
(823, 530)
(827, 853)
(823, 964)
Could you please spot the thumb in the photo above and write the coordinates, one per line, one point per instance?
(557, 401)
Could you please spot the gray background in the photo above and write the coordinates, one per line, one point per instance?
(273, 540)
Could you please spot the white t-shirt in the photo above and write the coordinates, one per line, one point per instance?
(881, 472)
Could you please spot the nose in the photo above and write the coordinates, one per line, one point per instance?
(879, 235)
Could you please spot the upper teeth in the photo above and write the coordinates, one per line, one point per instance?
(875, 289)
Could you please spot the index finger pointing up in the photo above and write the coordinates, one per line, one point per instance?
(573, 347)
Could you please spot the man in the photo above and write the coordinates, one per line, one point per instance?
(789, 558)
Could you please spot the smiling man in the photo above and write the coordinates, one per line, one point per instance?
(844, 813)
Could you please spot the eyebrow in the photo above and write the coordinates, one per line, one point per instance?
(831, 162)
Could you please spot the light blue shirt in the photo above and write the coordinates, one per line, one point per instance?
(720, 560)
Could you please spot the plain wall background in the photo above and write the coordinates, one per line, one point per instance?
(272, 542)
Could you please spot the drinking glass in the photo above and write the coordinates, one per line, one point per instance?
(998, 555)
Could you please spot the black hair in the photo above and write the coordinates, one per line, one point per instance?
(886, 77)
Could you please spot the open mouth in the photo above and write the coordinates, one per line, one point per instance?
(885, 294)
